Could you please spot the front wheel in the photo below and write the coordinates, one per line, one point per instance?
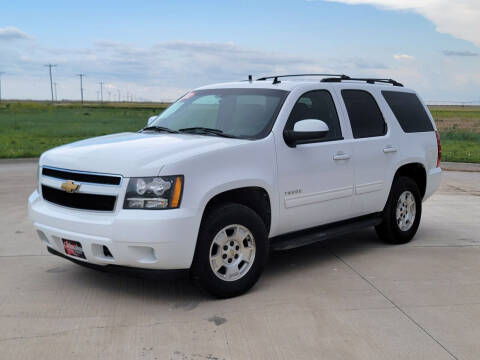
(401, 216)
(232, 250)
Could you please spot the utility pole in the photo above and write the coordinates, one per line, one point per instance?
(55, 86)
(119, 99)
(1, 73)
(101, 92)
(51, 82)
(81, 85)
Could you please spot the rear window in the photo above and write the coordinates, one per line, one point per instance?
(364, 114)
(409, 111)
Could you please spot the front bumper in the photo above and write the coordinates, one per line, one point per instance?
(150, 239)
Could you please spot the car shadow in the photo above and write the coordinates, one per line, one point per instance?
(342, 246)
(177, 288)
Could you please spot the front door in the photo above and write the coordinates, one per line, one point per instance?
(315, 179)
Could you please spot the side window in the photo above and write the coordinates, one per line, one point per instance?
(317, 104)
(365, 116)
(409, 111)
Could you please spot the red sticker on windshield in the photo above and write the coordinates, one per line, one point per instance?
(188, 96)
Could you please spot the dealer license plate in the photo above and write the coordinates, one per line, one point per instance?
(73, 248)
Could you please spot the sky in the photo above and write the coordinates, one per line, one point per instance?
(158, 50)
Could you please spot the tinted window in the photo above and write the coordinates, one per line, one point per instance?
(318, 105)
(364, 114)
(409, 111)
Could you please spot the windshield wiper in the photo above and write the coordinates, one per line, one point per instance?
(207, 131)
(160, 129)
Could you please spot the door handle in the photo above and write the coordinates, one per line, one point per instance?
(390, 149)
(341, 156)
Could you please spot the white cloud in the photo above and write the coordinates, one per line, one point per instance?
(164, 70)
(459, 18)
(12, 33)
(403, 57)
(459, 53)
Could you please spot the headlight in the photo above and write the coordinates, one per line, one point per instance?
(154, 193)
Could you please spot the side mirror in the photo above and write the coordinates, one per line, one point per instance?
(305, 131)
(151, 119)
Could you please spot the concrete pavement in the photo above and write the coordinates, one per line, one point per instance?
(346, 298)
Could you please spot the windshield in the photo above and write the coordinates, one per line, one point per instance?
(243, 113)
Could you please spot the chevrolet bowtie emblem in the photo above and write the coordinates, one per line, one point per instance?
(70, 187)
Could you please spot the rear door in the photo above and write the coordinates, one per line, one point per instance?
(315, 179)
(375, 150)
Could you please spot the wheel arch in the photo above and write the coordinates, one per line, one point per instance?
(417, 172)
(255, 197)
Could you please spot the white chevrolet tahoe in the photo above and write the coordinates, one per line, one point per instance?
(230, 171)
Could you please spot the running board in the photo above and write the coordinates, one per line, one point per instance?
(310, 236)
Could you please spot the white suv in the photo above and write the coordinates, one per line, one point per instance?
(232, 170)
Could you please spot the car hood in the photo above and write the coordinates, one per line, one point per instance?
(132, 154)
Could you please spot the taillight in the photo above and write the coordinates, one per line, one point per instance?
(439, 148)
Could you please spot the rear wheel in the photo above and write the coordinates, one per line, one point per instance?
(231, 252)
(401, 216)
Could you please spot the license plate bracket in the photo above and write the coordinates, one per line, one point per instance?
(73, 248)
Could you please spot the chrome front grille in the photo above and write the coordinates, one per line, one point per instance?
(95, 191)
(80, 176)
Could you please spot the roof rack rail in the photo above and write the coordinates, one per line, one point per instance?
(276, 81)
(250, 79)
(368, 80)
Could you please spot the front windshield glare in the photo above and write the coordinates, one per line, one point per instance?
(243, 113)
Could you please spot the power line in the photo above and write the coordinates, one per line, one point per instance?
(50, 71)
(1, 73)
(81, 85)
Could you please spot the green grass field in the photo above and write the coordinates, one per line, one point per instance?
(459, 129)
(29, 128)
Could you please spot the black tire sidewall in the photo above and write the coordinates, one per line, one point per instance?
(215, 220)
(400, 185)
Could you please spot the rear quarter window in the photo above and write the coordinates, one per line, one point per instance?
(409, 111)
(365, 116)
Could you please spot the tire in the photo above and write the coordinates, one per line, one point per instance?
(230, 232)
(398, 226)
